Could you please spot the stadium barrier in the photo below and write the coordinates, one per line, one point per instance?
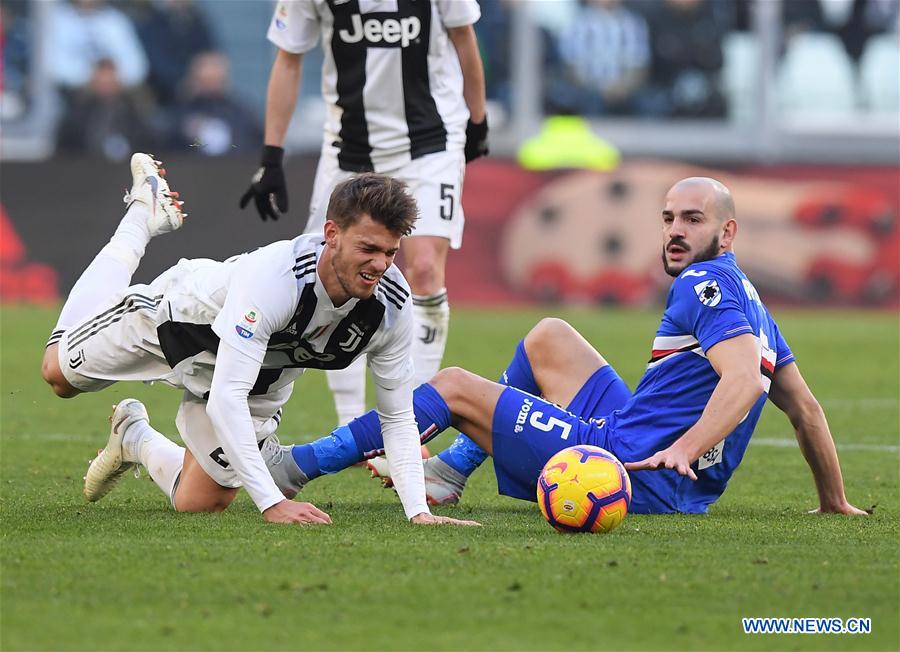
(811, 235)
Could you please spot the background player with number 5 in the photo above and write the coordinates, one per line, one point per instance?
(404, 88)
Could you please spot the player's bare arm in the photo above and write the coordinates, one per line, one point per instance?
(791, 394)
(736, 361)
(463, 39)
(281, 96)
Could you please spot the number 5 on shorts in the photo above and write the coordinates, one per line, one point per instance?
(447, 192)
(552, 422)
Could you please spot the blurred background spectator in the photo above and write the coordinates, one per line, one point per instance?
(754, 67)
(207, 118)
(82, 32)
(14, 66)
(172, 32)
(604, 54)
(105, 119)
(686, 37)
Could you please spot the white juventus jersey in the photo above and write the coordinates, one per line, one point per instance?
(271, 305)
(391, 76)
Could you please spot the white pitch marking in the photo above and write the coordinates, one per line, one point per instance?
(792, 443)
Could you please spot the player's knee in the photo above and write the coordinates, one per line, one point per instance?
(217, 502)
(53, 376)
(451, 384)
(547, 335)
(424, 273)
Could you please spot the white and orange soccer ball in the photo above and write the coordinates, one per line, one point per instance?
(584, 489)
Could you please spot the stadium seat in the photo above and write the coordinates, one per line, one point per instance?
(740, 75)
(816, 77)
(880, 73)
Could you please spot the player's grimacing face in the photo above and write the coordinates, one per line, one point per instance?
(363, 252)
(691, 229)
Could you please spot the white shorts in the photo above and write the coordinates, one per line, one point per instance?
(200, 437)
(118, 343)
(435, 180)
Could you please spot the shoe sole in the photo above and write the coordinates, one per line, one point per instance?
(107, 468)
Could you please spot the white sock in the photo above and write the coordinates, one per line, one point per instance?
(111, 270)
(432, 316)
(349, 389)
(161, 457)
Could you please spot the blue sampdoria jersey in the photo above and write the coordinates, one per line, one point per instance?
(709, 302)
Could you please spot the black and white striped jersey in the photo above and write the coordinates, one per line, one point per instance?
(271, 305)
(391, 77)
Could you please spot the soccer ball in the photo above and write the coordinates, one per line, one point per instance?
(584, 489)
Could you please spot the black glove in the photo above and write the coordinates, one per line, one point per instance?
(267, 188)
(476, 140)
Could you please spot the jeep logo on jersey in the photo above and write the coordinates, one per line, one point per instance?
(390, 32)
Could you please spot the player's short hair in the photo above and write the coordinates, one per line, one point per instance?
(385, 199)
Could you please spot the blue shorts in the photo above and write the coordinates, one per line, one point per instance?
(528, 431)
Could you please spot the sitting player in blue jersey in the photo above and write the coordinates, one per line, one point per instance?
(717, 356)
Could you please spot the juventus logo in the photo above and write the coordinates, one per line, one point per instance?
(78, 360)
(354, 337)
(429, 334)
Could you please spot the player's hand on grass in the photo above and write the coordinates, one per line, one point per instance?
(432, 519)
(287, 511)
(268, 188)
(843, 508)
(667, 459)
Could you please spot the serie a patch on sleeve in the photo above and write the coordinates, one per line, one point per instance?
(708, 292)
(247, 325)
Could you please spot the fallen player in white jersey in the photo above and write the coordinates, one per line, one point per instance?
(235, 335)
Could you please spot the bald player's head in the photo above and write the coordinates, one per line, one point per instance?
(717, 194)
(698, 223)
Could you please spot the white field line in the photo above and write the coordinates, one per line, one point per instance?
(100, 438)
(792, 443)
(867, 403)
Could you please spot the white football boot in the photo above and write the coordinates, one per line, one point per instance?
(443, 484)
(109, 465)
(150, 188)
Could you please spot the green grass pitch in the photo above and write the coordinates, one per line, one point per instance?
(129, 574)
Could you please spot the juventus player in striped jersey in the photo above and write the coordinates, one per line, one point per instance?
(404, 87)
(717, 356)
(235, 335)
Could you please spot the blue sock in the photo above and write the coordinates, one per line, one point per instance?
(361, 438)
(465, 455)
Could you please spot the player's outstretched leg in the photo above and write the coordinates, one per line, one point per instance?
(464, 455)
(133, 441)
(446, 474)
(152, 209)
(352, 443)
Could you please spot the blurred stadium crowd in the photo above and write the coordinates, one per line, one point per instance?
(125, 75)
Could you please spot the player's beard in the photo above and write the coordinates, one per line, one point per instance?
(346, 275)
(708, 253)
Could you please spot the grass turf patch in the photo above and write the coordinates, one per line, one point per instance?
(128, 573)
